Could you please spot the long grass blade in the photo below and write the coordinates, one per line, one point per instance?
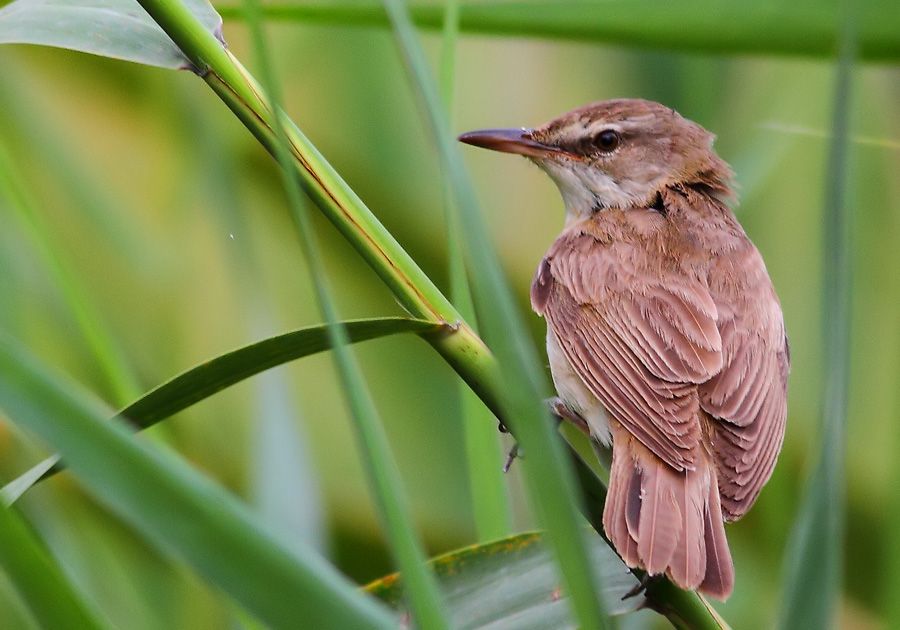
(814, 558)
(548, 474)
(31, 126)
(490, 504)
(709, 26)
(211, 377)
(178, 510)
(108, 356)
(51, 597)
(284, 485)
(420, 584)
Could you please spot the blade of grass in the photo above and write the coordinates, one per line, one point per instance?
(178, 510)
(211, 377)
(490, 505)
(419, 582)
(40, 137)
(549, 476)
(710, 26)
(814, 557)
(51, 597)
(109, 358)
(284, 484)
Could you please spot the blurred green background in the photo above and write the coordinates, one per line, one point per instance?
(171, 219)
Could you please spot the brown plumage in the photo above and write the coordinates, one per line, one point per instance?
(664, 330)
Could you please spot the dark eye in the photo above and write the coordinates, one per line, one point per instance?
(607, 140)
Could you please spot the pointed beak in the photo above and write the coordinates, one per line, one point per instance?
(518, 141)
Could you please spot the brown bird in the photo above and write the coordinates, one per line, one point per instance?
(664, 331)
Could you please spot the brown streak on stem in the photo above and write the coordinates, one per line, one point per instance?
(374, 246)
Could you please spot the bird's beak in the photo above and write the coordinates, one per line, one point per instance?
(518, 141)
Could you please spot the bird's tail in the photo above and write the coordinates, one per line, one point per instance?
(665, 521)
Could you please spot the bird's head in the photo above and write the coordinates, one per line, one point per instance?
(615, 154)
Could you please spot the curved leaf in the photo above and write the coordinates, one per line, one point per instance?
(514, 583)
(178, 510)
(209, 378)
(549, 476)
(120, 29)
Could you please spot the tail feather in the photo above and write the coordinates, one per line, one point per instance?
(667, 521)
(719, 579)
(688, 565)
(660, 526)
(619, 504)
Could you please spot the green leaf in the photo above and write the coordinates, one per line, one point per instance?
(814, 557)
(381, 468)
(549, 475)
(206, 379)
(712, 26)
(53, 600)
(487, 485)
(178, 510)
(106, 353)
(120, 29)
(514, 583)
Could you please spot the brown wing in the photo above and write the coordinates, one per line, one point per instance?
(640, 336)
(749, 395)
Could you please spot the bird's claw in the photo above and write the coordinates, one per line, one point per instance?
(639, 588)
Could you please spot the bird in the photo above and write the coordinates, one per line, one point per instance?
(664, 331)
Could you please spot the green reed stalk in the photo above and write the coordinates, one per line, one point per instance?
(487, 487)
(418, 581)
(815, 550)
(709, 26)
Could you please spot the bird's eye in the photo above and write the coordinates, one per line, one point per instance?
(607, 140)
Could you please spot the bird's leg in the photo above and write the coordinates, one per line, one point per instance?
(562, 411)
(510, 457)
(640, 587)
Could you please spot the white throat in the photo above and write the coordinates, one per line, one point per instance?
(585, 188)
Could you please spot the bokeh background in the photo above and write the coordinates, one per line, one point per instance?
(149, 196)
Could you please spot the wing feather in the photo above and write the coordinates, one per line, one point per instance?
(662, 349)
(748, 396)
(640, 347)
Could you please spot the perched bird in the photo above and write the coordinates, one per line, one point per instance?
(663, 330)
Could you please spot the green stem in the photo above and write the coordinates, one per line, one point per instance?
(52, 599)
(709, 26)
(419, 583)
(462, 348)
(816, 547)
(487, 488)
(107, 354)
(548, 475)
